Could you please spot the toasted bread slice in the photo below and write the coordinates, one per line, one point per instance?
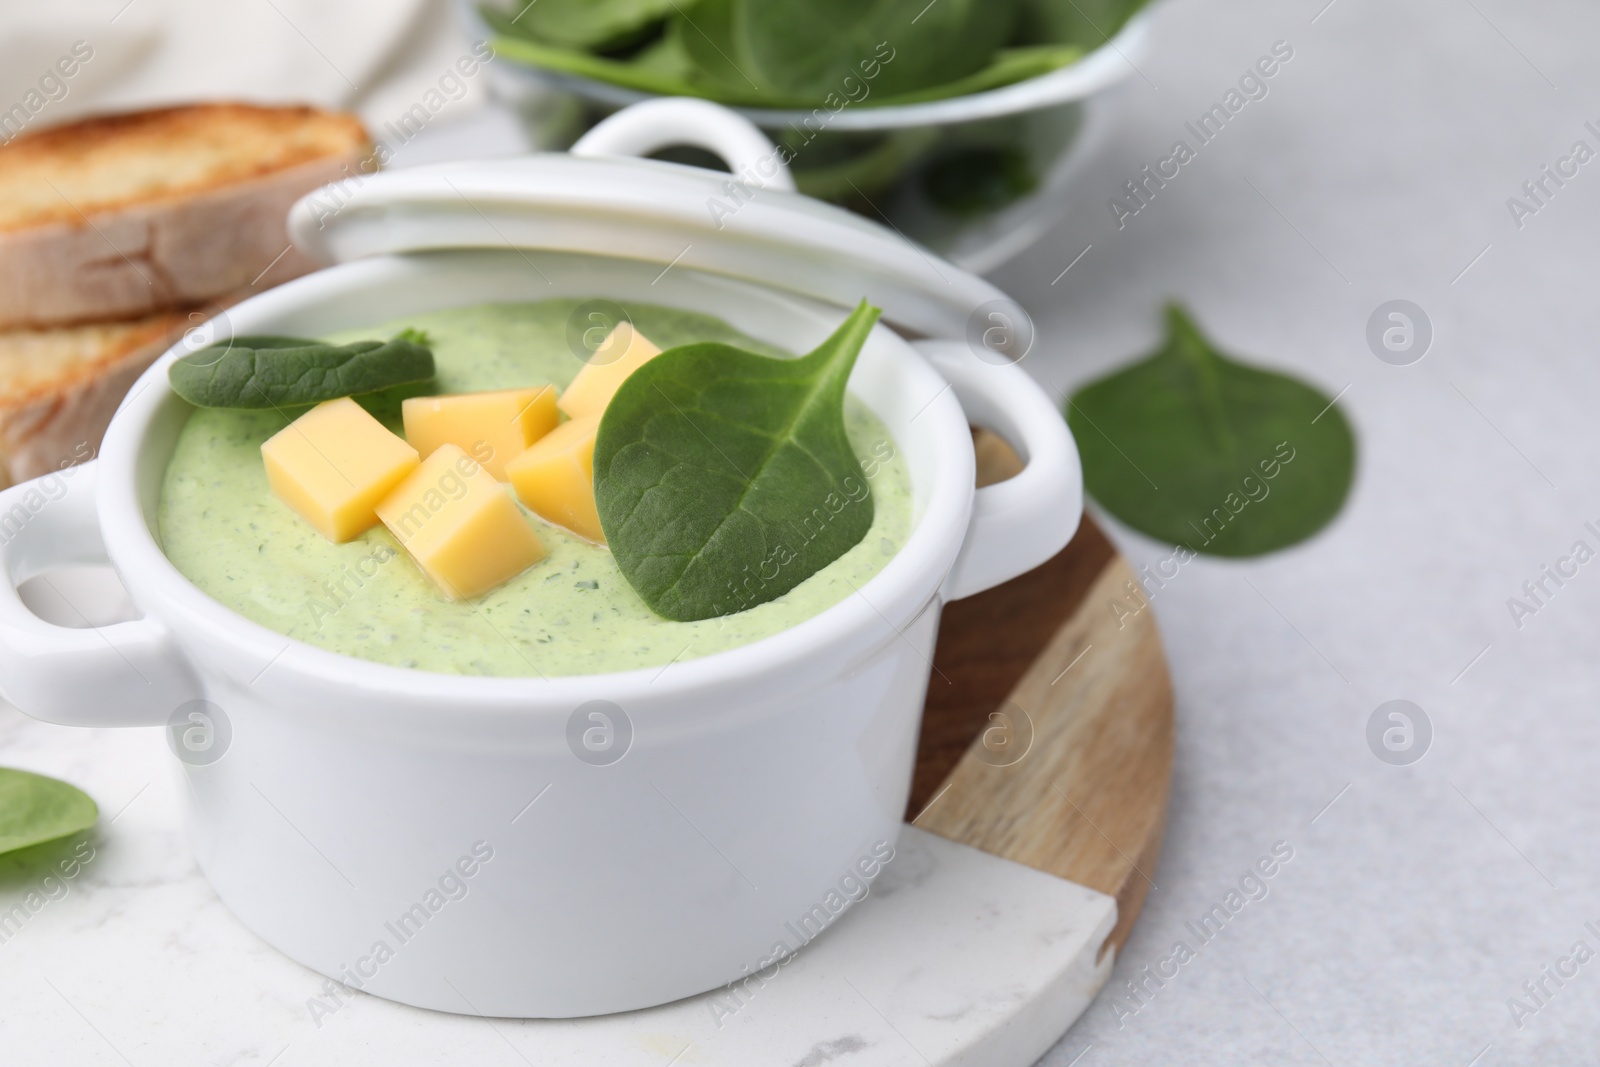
(60, 386)
(121, 216)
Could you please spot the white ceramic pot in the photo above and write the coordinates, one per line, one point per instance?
(489, 845)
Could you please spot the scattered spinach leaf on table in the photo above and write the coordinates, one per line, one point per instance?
(1196, 449)
(725, 478)
(35, 809)
(279, 372)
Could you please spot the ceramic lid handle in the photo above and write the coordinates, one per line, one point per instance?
(652, 125)
(125, 674)
(1019, 523)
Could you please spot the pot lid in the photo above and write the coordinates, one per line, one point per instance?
(645, 209)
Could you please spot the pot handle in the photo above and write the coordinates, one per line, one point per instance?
(125, 674)
(1019, 523)
(649, 126)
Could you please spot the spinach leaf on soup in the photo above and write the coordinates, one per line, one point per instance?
(724, 478)
(280, 372)
(1196, 449)
(35, 809)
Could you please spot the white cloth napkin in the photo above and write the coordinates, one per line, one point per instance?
(377, 57)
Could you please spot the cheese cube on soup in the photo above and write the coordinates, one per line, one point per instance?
(555, 477)
(624, 351)
(334, 464)
(460, 525)
(494, 428)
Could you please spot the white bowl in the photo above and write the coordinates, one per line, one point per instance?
(339, 805)
(1053, 123)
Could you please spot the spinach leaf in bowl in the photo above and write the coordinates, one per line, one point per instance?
(803, 54)
(1086, 23)
(807, 51)
(601, 25)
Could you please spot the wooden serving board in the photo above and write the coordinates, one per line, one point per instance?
(1072, 779)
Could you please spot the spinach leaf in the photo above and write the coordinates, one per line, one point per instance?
(806, 53)
(809, 50)
(970, 181)
(1005, 67)
(1088, 23)
(666, 69)
(1198, 450)
(601, 25)
(34, 809)
(279, 372)
(724, 479)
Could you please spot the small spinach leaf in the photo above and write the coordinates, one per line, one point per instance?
(1006, 67)
(970, 181)
(810, 50)
(724, 479)
(279, 372)
(1089, 23)
(745, 55)
(601, 25)
(34, 809)
(1198, 450)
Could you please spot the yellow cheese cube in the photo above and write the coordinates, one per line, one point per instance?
(555, 477)
(492, 428)
(460, 525)
(333, 464)
(624, 351)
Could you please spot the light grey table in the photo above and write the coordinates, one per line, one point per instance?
(1378, 166)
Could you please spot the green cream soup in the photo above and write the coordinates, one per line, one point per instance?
(570, 613)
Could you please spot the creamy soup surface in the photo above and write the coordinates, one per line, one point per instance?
(571, 613)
